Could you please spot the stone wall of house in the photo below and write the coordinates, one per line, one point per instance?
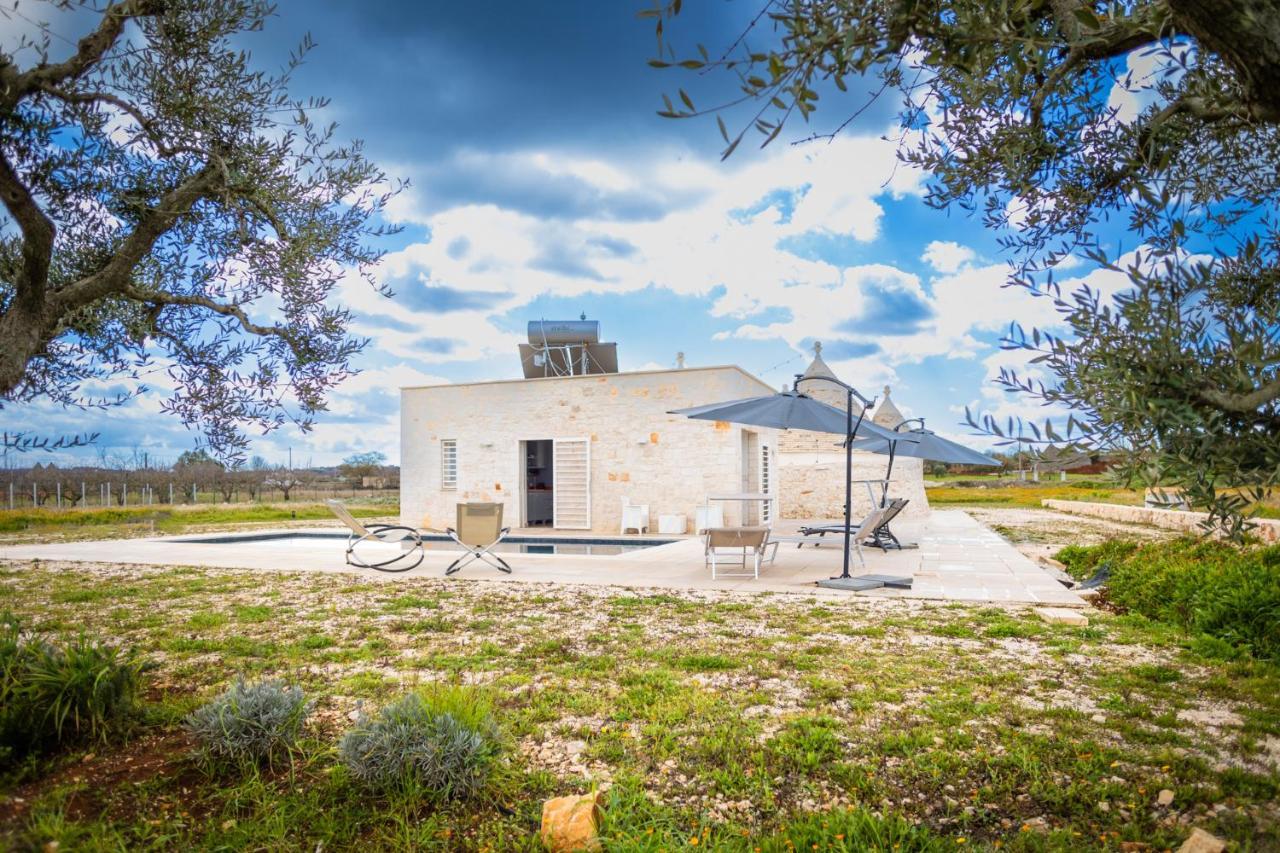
(637, 450)
(810, 485)
(1267, 530)
(811, 464)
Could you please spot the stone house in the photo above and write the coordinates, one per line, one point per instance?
(567, 444)
(564, 451)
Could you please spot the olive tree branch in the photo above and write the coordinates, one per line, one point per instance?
(114, 276)
(161, 298)
(37, 237)
(89, 51)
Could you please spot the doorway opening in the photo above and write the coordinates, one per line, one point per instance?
(539, 483)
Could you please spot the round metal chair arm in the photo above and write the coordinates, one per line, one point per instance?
(386, 565)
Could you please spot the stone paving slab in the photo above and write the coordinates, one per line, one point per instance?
(958, 560)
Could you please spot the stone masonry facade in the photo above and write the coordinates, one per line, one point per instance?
(638, 451)
(811, 465)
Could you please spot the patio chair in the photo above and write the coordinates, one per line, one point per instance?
(634, 516)
(386, 534)
(479, 530)
(747, 543)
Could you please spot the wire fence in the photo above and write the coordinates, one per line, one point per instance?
(64, 495)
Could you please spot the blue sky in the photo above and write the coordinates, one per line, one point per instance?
(543, 184)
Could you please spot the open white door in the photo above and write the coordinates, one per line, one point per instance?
(572, 477)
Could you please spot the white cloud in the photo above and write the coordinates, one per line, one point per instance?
(947, 256)
(1135, 89)
(734, 237)
(691, 250)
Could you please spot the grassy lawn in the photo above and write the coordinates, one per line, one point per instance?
(53, 525)
(993, 492)
(722, 721)
(1028, 495)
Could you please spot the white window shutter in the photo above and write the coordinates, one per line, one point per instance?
(571, 483)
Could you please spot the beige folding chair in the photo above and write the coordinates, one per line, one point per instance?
(479, 530)
(387, 534)
(745, 542)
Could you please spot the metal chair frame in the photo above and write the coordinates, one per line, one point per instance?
(758, 553)
(474, 552)
(484, 552)
(376, 534)
(379, 533)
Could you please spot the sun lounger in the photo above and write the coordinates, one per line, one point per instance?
(881, 537)
(387, 534)
(479, 530)
(744, 543)
(863, 532)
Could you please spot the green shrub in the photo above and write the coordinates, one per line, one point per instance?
(54, 694)
(1083, 560)
(1207, 588)
(440, 744)
(250, 722)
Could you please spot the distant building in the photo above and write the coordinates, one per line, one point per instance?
(1060, 460)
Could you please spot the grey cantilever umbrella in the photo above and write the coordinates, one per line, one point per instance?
(922, 444)
(789, 410)
(794, 410)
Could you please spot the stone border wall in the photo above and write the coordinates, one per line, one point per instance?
(1268, 530)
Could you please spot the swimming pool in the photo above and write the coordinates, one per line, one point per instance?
(583, 546)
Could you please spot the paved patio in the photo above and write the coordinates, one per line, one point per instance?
(957, 559)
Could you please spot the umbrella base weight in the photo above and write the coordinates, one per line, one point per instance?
(851, 584)
(891, 581)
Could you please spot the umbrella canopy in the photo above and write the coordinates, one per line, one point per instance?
(793, 410)
(927, 445)
(924, 444)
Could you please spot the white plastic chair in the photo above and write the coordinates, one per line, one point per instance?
(634, 516)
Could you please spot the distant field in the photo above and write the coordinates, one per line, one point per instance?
(110, 522)
(1025, 494)
(1013, 493)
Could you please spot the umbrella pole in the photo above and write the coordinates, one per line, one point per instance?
(848, 478)
(884, 487)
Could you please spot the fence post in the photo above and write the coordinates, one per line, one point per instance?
(170, 491)
(34, 504)
(58, 486)
(108, 492)
(124, 494)
(84, 500)
(194, 499)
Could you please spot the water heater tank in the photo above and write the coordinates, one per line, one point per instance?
(560, 332)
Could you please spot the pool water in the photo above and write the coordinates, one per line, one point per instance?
(582, 546)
